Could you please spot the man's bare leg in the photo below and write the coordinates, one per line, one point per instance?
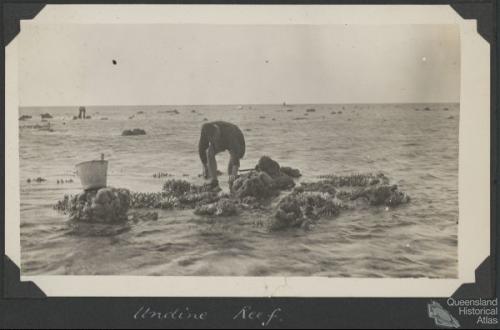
(232, 171)
(212, 165)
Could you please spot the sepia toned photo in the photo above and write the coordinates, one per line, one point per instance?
(325, 151)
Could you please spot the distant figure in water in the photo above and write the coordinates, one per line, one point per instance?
(219, 136)
(81, 113)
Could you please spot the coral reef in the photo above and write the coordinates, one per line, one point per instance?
(135, 131)
(223, 208)
(388, 195)
(302, 208)
(326, 198)
(46, 116)
(161, 175)
(291, 172)
(268, 165)
(106, 205)
(257, 190)
(355, 180)
(61, 181)
(38, 180)
(25, 117)
(254, 184)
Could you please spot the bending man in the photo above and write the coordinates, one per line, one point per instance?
(219, 136)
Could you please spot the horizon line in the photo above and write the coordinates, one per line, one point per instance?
(231, 104)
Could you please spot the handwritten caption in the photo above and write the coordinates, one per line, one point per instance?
(245, 313)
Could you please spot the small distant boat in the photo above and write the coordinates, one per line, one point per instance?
(284, 104)
(240, 107)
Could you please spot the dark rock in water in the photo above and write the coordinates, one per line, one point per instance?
(104, 118)
(268, 165)
(300, 208)
(75, 117)
(262, 117)
(25, 117)
(135, 131)
(161, 175)
(254, 184)
(106, 205)
(38, 180)
(427, 109)
(333, 112)
(290, 171)
(46, 116)
(222, 208)
(140, 112)
(314, 200)
(445, 109)
(311, 110)
(174, 111)
(271, 177)
(265, 182)
(388, 195)
(299, 118)
(289, 110)
(282, 182)
(450, 117)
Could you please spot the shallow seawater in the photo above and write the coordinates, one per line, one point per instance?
(418, 150)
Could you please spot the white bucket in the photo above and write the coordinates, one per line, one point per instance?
(93, 174)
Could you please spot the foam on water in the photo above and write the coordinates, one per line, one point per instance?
(418, 150)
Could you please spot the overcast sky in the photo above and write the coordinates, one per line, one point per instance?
(237, 64)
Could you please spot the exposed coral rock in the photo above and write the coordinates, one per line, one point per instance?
(254, 184)
(161, 175)
(223, 208)
(46, 116)
(321, 186)
(106, 205)
(145, 200)
(282, 182)
(353, 180)
(388, 195)
(299, 208)
(268, 165)
(290, 171)
(135, 131)
(38, 180)
(25, 117)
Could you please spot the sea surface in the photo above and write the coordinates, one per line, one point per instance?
(415, 145)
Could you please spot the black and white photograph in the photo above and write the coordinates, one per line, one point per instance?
(239, 150)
